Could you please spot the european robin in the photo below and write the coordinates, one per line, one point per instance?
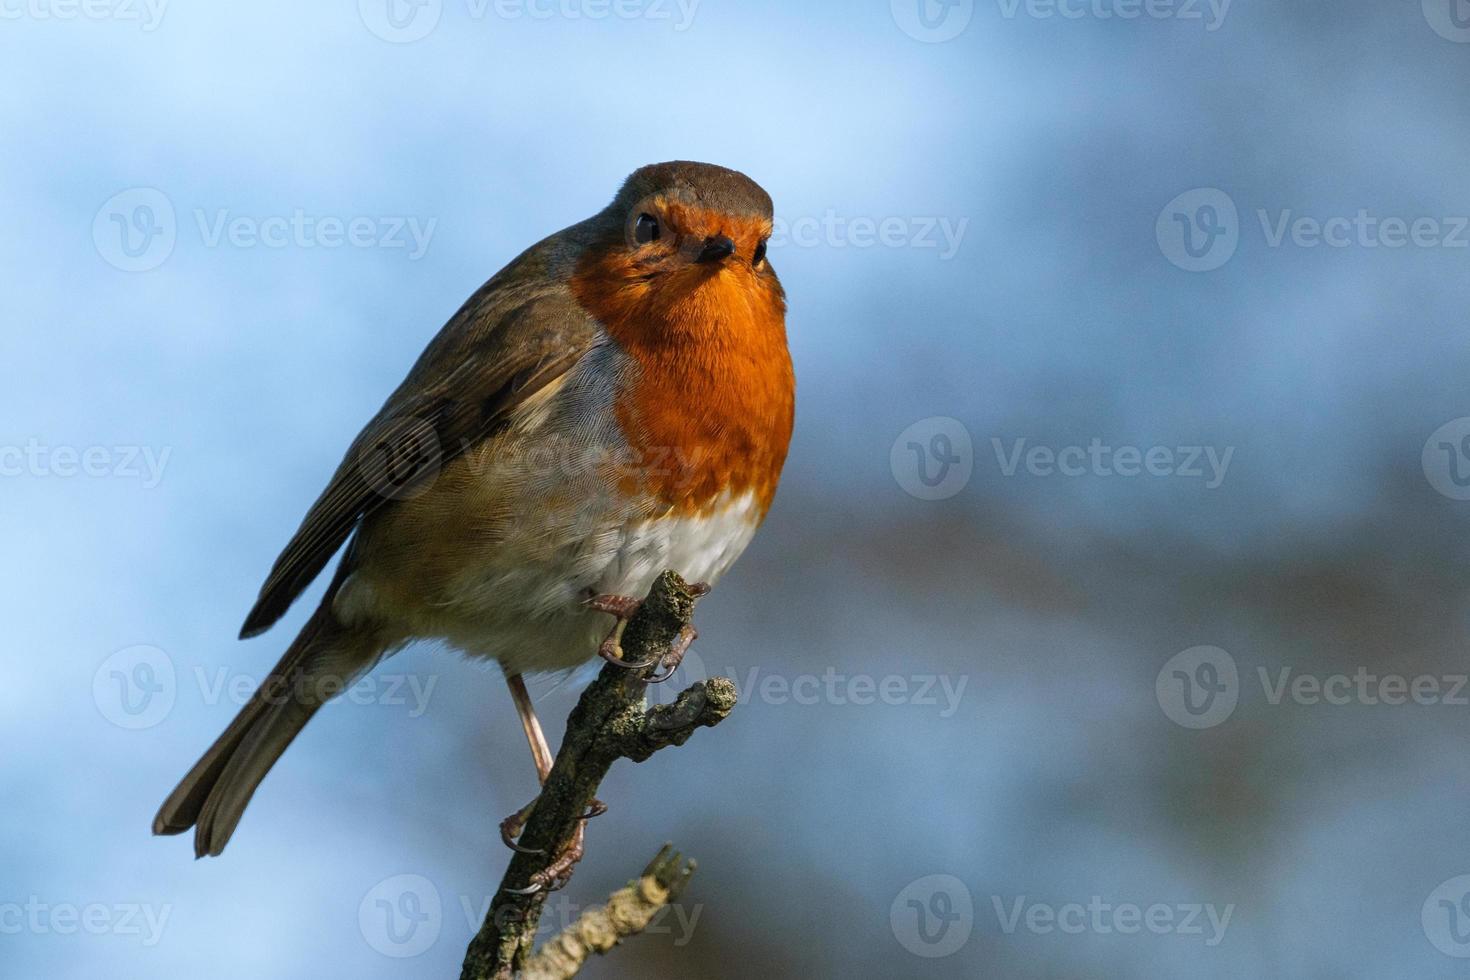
(616, 401)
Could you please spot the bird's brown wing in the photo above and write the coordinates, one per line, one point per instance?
(517, 334)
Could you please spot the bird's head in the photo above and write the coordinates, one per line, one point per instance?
(680, 253)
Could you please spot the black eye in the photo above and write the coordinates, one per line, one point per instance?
(760, 252)
(646, 230)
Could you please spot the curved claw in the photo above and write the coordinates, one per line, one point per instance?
(530, 889)
(611, 656)
(657, 678)
(675, 656)
(595, 809)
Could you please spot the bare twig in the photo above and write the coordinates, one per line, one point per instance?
(628, 912)
(610, 722)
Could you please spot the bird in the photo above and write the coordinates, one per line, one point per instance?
(618, 400)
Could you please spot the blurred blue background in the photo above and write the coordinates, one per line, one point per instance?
(967, 746)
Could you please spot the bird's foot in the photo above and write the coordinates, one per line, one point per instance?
(623, 608)
(558, 873)
(511, 826)
(670, 661)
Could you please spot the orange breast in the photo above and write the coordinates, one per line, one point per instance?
(709, 409)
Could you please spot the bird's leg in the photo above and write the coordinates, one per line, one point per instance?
(559, 872)
(623, 608)
(511, 826)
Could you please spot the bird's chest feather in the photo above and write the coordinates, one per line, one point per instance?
(706, 386)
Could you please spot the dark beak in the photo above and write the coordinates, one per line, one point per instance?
(716, 248)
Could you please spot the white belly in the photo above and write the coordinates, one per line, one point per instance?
(530, 615)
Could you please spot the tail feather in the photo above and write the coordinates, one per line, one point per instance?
(324, 659)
